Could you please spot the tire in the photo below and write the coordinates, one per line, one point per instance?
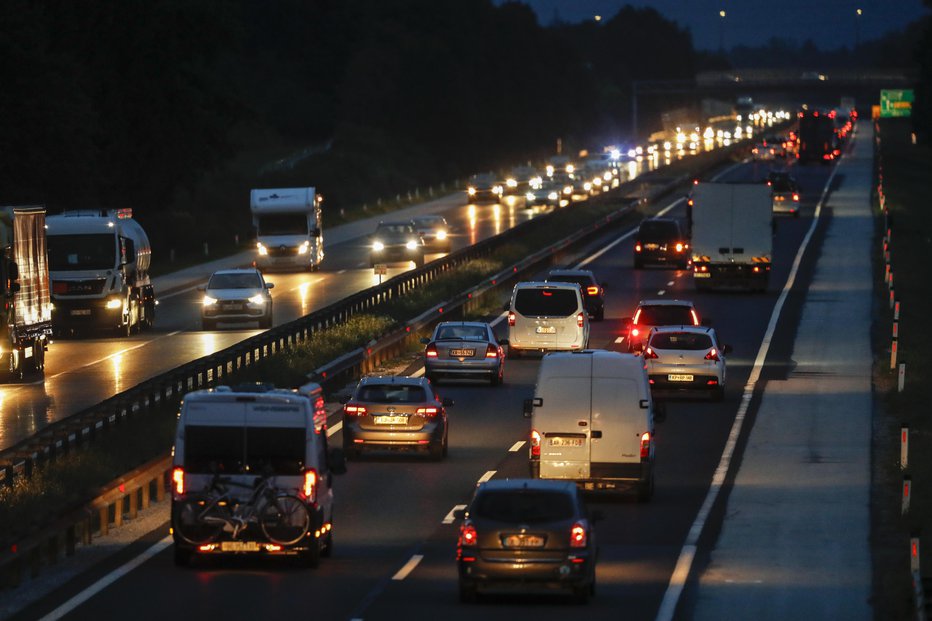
(311, 557)
(188, 524)
(468, 592)
(182, 556)
(38, 356)
(498, 378)
(646, 490)
(285, 520)
(436, 450)
(718, 394)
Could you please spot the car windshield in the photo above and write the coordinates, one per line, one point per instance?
(657, 230)
(689, 341)
(546, 302)
(82, 252)
(429, 222)
(394, 229)
(282, 224)
(234, 281)
(472, 333)
(392, 393)
(666, 315)
(523, 506)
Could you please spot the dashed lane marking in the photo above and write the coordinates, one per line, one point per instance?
(516, 446)
(488, 475)
(661, 292)
(449, 519)
(619, 339)
(408, 567)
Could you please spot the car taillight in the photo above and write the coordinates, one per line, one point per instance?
(431, 351)
(592, 290)
(650, 354)
(491, 351)
(428, 411)
(353, 409)
(468, 535)
(796, 197)
(535, 444)
(635, 332)
(178, 480)
(695, 317)
(637, 246)
(645, 445)
(579, 320)
(310, 484)
(712, 355)
(578, 538)
(511, 319)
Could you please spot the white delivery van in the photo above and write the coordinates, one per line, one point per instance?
(288, 228)
(252, 474)
(546, 316)
(592, 421)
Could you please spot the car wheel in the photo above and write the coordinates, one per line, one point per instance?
(327, 550)
(468, 592)
(311, 557)
(436, 450)
(498, 378)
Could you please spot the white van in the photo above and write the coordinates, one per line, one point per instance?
(592, 421)
(546, 316)
(252, 474)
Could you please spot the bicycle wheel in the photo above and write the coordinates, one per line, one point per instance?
(189, 523)
(285, 520)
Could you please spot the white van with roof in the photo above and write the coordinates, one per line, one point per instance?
(592, 422)
(252, 474)
(546, 316)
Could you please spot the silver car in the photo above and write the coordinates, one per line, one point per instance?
(464, 349)
(686, 358)
(236, 295)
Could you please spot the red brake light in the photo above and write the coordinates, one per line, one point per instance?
(712, 355)
(635, 331)
(580, 318)
(354, 409)
(796, 197)
(578, 538)
(468, 535)
(650, 354)
(692, 312)
(310, 484)
(546, 294)
(431, 351)
(637, 247)
(491, 351)
(178, 480)
(535, 444)
(645, 445)
(511, 319)
(430, 412)
(592, 290)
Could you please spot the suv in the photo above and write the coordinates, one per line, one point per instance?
(229, 442)
(236, 295)
(652, 313)
(660, 240)
(398, 242)
(785, 193)
(395, 412)
(484, 188)
(593, 292)
(546, 316)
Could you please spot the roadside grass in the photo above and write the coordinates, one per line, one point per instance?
(907, 186)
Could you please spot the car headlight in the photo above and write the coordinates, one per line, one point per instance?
(378, 246)
(411, 245)
(114, 303)
(257, 299)
(511, 183)
(208, 301)
(441, 234)
(471, 191)
(587, 186)
(262, 249)
(529, 196)
(303, 248)
(498, 190)
(568, 190)
(553, 196)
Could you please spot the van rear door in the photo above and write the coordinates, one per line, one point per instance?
(563, 421)
(277, 440)
(617, 421)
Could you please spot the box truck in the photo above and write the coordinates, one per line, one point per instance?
(288, 228)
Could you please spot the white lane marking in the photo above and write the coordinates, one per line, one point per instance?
(107, 580)
(661, 292)
(449, 519)
(516, 446)
(408, 567)
(498, 319)
(341, 271)
(115, 354)
(670, 284)
(165, 296)
(488, 475)
(418, 373)
(619, 339)
(684, 562)
(336, 427)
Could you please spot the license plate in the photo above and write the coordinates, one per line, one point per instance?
(462, 353)
(81, 312)
(524, 541)
(231, 307)
(546, 329)
(391, 420)
(652, 246)
(566, 441)
(702, 275)
(239, 546)
(679, 377)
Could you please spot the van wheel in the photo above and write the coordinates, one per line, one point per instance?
(327, 550)
(646, 489)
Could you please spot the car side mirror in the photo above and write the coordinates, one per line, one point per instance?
(336, 459)
(270, 285)
(447, 402)
(425, 341)
(726, 349)
(459, 514)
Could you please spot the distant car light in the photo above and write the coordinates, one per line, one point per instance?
(471, 191)
(263, 251)
(411, 245)
(378, 246)
(529, 196)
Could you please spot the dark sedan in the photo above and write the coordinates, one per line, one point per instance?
(464, 349)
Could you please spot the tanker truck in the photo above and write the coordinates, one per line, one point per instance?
(24, 286)
(99, 267)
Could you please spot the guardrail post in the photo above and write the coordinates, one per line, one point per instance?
(907, 492)
(104, 514)
(904, 446)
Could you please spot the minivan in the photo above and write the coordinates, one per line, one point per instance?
(592, 422)
(232, 441)
(546, 316)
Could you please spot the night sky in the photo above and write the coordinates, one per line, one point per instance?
(828, 23)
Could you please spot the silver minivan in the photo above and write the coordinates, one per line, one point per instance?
(592, 422)
(546, 316)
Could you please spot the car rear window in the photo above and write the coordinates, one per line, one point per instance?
(690, 341)
(474, 333)
(656, 230)
(233, 450)
(392, 393)
(523, 506)
(546, 302)
(666, 315)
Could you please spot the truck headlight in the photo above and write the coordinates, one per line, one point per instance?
(471, 191)
(257, 299)
(208, 301)
(263, 251)
(411, 245)
(114, 303)
(511, 183)
(378, 246)
(303, 248)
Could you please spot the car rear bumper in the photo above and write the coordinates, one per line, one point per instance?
(606, 476)
(565, 570)
(465, 368)
(386, 438)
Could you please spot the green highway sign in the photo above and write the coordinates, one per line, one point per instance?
(894, 103)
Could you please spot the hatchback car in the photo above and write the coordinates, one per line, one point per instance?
(435, 232)
(763, 151)
(546, 193)
(661, 241)
(593, 292)
(519, 179)
(686, 358)
(652, 313)
(785, 193)
(395, 412)
(396, 242)
(546, 316)
(483, 188)
(526, 533)
(464, 349)
(236, 295)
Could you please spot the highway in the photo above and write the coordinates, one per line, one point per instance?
(394, 555)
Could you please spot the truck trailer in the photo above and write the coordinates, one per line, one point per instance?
(288, 228)
(24, 280)
(99, 266)
(817, 141)
(732, 237)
